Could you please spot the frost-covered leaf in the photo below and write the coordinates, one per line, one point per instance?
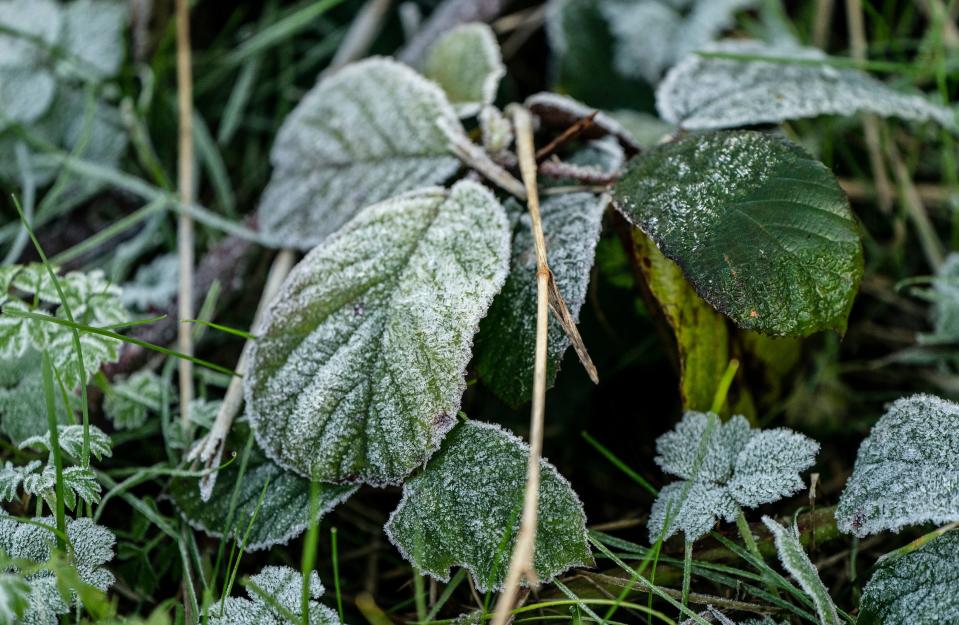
(25, 93)
(71, 441)
(507, 337)
(458, 510)
(91, 546)
(281, 585)
(768, 467)
(690, 507)
(945, 304)
(723, 466)
(794, 559)
(646, 130)
(762, 230)
(561, 111)
(93, 32)
(367, 133)
(78, 483)
(907, 469)
(129, 401)
(918, 588)
(467, 64)
(497, 131)
(23, 409)
(37, 19)
(14, 597)
(357, 373)
(708, 92)
(283, 511)
(12, 476)
(155, 284)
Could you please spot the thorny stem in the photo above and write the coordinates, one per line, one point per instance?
(185, 222)
(521, 562)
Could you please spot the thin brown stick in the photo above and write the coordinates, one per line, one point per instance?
(185, 222)
(870, 123)
(566, 136)
(521, 562)
(823, 19)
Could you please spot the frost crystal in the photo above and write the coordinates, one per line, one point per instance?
(467, 64)
(907, 469)
(128, 402)
(723, 466)
(505, 343)
(358, 371)
(274, 584)
(367, 133)
(155, 284)
(701, 92)
(283, 511)
(464, 510)
(917, 588)
(795, 560)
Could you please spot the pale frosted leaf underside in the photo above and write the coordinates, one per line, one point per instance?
(367, 133)
(907, 469)
(762, 230)
(283, 499)
(794, 559)
(507, 337)
(709, 92)
(277, 584)
(463, 509)
(466, 62)
(918, 588)
(358, 370)
(723, 466)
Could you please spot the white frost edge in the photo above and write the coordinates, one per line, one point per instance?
(294, 532)
(497, 285)
(490, 50)
(578, 109)
(545, 465)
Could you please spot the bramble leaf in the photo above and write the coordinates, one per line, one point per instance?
(917, 588)
(367, 133)
(128, 402)
(463, 509)
(505, 344)
(467, 64)
(283, 512)
(794, 559)
(280, 585)
(708, 92)
(761, 230)
(357, 373)
(907, 469)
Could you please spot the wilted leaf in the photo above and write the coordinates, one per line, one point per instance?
(918, 588)
(284, 509)
(357, 373)
(467, 64)
(128, 402)
(367, 133)
(507, 337)
(463, 509)
(907, 469)
(701, 92)
(761, 230)
(794, 559)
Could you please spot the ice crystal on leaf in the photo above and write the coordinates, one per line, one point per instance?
(724, 466)
(279, 585)
(463, 509)
(794, 559)
(466, 62)
(357, 373)
(710, 92)
(367, 133)
(71, 441)
(907, 469)
(916, 588)
(90, 547)
(280, 499)
(505, 343)
(128, 402)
